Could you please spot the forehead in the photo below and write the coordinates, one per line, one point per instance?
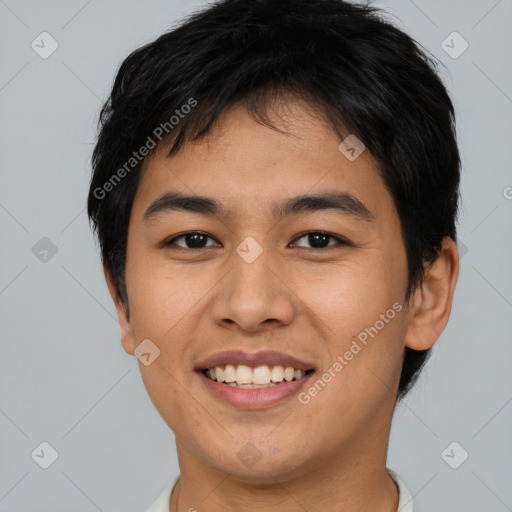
(244, 164)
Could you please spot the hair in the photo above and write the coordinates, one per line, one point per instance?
(360, 72)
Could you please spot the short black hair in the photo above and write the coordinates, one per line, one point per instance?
(361, 73)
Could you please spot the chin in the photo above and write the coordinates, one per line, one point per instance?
(260, 462)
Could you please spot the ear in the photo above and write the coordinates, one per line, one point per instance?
(432, 302)
(127, 336)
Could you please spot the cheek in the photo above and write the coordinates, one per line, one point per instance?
(350, 296)
(167, 305)
(362, 315)
(159, 295)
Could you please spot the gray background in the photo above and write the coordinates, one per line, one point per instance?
(64, 377)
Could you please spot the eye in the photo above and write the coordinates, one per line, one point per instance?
(319, 240)
(192, 240)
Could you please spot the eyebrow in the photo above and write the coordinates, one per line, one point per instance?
(343, 202)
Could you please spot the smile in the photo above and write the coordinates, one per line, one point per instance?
(253, 380)
(246, 377)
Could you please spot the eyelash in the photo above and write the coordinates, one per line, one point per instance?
(340, 241)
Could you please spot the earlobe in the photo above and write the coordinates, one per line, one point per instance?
(127, 337)
(432, 301)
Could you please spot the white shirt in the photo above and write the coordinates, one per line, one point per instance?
(404, 501)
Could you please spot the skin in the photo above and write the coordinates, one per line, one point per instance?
(331, 453)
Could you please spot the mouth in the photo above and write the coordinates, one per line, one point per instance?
(253, 380)
(259, 377)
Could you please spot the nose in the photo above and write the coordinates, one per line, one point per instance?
(253, 296)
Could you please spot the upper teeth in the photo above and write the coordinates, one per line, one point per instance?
(242, 374)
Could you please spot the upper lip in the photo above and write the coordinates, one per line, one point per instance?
(253, 359)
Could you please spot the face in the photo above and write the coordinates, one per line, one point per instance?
(272, 286)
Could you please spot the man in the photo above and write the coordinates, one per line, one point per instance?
(275, 192)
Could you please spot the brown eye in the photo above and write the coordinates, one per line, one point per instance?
(192, 240)
(319, 240)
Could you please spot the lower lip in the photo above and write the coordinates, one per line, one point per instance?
(254, 398)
